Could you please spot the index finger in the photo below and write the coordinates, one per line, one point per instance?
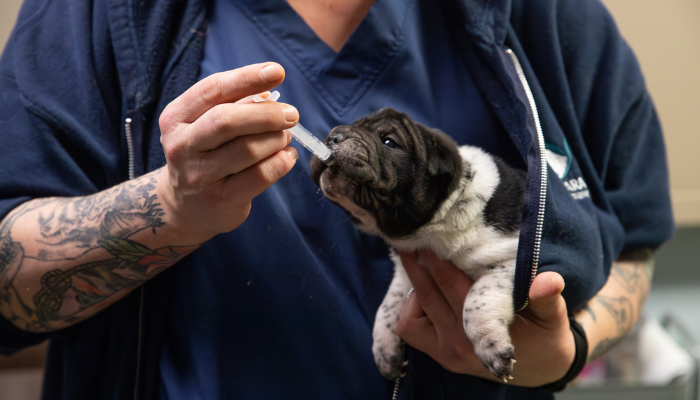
(453, 282)
(223, 87)
(427, 292)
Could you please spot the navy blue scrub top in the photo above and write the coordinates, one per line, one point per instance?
(283, 307)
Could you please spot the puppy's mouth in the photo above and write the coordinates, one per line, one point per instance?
(342, 190)
(336, 184)
(349, 181)
(355, 165)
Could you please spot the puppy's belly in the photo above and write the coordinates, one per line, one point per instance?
(474, 261)
(471, 250)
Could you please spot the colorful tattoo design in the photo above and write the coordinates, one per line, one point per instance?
(75, 229)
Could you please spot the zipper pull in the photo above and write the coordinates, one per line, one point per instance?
(129, 147)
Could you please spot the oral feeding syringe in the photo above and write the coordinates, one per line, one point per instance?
(301, 134)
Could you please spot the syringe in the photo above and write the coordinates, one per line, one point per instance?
(302, 135)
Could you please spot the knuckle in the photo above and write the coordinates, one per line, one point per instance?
(247, 148)
(240, 150)
(195, 181)
(269, 171)
(172, 153)
(444, 280)
(256, 147)
(164, 120)
(272, 169)
(404, 328)
(279, 140)
(175, 149)
(218, 119)
(426, 294)
(211, 89)
(170, 119)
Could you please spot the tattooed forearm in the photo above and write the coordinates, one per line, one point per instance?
(61, 256)
(613, 312)
(590, 312)
(63, 294)
(621, 311)
(603, 346)
(79, 223)
(628, 278)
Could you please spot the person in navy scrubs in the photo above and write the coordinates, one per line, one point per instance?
(134, 153)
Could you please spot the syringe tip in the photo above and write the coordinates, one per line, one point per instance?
(330, 160)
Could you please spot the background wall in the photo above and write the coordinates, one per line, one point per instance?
(8, 14)
(665, 35)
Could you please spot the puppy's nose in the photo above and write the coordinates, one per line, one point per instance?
(336, 138)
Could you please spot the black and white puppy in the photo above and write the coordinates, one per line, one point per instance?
(414, 187)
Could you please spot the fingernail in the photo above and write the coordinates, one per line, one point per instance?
(289, 138)
(271, 73)
(292, 152)
(290, 113)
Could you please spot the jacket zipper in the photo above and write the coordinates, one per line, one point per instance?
(543, 171)
(397, 380)
(131, 170)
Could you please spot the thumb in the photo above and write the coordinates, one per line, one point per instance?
(546, 302)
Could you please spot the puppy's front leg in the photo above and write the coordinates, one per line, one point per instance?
(387, 344)
(488, 311)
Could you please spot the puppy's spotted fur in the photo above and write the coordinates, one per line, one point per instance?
(417, 189)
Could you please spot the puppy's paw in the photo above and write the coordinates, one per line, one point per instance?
(497, 357)
(387, 353)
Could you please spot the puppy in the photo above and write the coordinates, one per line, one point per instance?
(414, 187)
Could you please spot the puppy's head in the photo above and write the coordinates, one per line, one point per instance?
(390, 173)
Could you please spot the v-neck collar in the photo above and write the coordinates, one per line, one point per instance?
(340, 78)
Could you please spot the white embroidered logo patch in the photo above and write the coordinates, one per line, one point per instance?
(577, 188)
(559, 159)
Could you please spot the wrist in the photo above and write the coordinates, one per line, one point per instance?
(579, 360)
(179, 222)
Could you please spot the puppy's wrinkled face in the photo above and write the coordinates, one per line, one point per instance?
(390, 174)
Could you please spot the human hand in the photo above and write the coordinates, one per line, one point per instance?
(431, 321)
(223, 150)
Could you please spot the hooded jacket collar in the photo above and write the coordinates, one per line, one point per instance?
(142, 32)
(150, 36)
(485, 20)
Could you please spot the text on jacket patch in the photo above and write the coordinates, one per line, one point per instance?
(578, 188)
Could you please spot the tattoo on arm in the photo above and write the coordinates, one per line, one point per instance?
(73, 228)
(634, 277)
(602, 347)
(589, 310)
(622, 312)
(627, 277)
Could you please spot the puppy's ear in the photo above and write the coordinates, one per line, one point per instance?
(445, 164)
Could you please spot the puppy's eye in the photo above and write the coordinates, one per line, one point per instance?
(390, 143)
